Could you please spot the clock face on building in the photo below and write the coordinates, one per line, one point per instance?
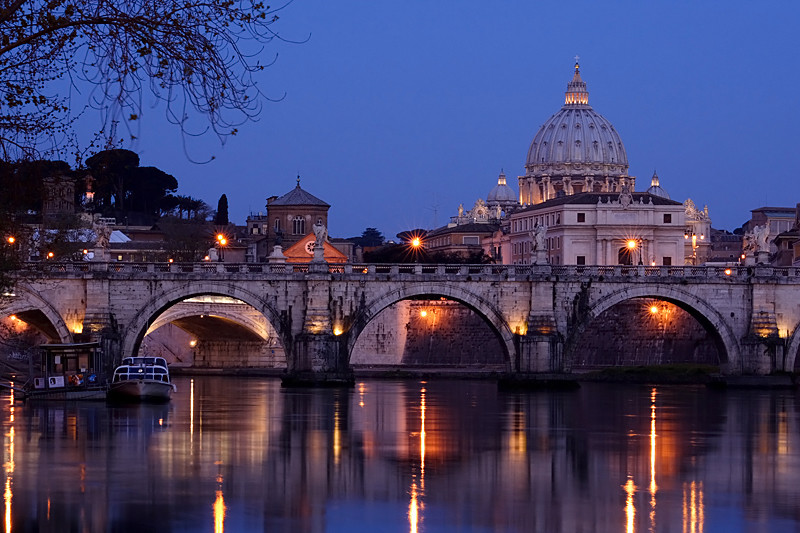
(310, 247)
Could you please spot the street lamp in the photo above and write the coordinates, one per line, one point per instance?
(633, 245)
(222, 241)
(690, 234)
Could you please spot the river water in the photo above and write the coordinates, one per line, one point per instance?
(243, 454)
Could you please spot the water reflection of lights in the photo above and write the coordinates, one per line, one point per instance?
(337, 432)
(630, 509)
(653, 486)
(693, 507)
(361, 390)
(417, 492)
(9, 467)
(191, 412)
(219, 508)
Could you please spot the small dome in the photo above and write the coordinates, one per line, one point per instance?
(501, 194)
(656, 189)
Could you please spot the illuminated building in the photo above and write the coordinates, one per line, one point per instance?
(578, 196)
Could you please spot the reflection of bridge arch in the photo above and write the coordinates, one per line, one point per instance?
(28, 300)
(699, 309)
(137, 329)
(475, 302)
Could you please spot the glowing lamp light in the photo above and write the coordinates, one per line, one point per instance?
(423, 313)
(169, 260)
(223, 241)
(337, 331)
(206, 258)
(727, 271)
(13, 317)
(193, 343)
(220, 237)
(416, 242)
(11, 239)
(654, 309)
(50, 255)
(631, 244)
(85, 251)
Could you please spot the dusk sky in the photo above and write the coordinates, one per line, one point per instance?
(397, 112)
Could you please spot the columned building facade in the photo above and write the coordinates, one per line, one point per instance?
(578, 204)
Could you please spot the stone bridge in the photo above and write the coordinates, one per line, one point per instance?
(317, 311)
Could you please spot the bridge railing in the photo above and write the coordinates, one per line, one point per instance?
(368, 270)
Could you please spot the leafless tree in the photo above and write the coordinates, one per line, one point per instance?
(62, 58)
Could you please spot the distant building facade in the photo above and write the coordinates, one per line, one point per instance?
(577, 204)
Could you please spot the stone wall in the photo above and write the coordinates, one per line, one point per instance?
(645, 332)
(428, 333)
(173, 344)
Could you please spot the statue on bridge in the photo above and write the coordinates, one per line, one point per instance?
(761, 234)
(320, 233)
(537, 235)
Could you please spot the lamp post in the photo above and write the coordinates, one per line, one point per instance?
(635, 245)
(690, 234)
(416, 246)
(222, 241)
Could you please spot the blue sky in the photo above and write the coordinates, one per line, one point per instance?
(396, 112)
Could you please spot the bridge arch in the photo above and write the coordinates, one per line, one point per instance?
(697, 307)
(480, 305)
(792, 347)
(26, 299)
(136, 330)
(259, 327)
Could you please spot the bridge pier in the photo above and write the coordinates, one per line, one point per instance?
(762, 355)
(541, 349)
(320, 359)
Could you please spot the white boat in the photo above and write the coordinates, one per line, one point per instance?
(142, 379)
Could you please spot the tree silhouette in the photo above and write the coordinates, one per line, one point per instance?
(221, 218)
(189, 55)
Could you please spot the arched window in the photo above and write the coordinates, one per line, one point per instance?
(299, 225)
(625, 256)
(277, 225)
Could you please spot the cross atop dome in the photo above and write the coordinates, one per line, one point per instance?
(576, 89)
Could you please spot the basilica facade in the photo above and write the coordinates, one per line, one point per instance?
(578, 204)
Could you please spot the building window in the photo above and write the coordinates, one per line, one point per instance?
(667, 218)
(471, 239)
(581, 260)
(277, 224)
(581, 217)
(666, 261)
(299, 225)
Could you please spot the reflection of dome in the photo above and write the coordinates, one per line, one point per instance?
(501, 194)
(656, 189)
(576, 150)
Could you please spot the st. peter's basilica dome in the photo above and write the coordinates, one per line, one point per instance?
(576, 150)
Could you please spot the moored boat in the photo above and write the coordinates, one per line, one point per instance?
(142, 379)
(66, 372)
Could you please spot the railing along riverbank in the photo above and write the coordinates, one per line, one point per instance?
(450, 271)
